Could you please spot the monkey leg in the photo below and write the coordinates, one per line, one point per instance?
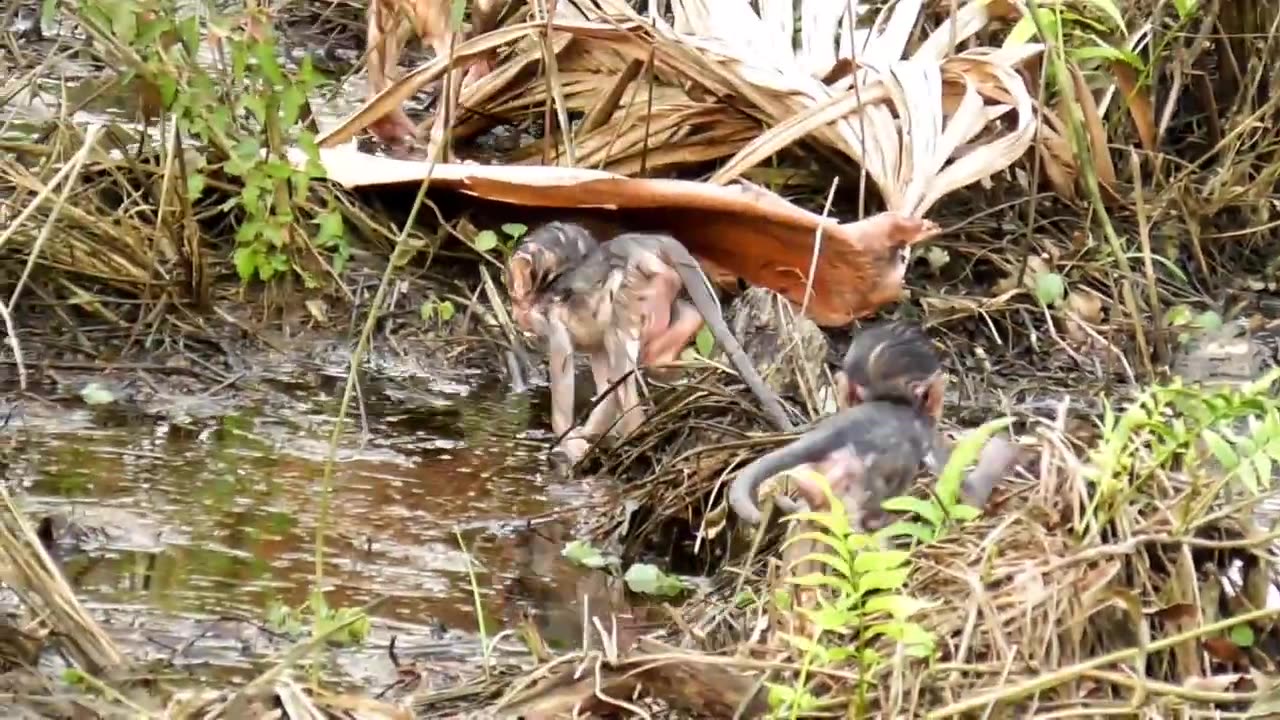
(622, 345)
(602, 416)
(384, 45)
(665, 347)
(484, 17)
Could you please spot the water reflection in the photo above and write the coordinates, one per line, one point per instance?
(237, 501)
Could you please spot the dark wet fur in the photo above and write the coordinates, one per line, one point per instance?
(891, 438)
(912, 354)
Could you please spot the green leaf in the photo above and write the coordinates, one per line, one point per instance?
(878, 560)
(446, 311)
(964, 513)
(584, 554)
(926, 509)
(1105, 52)
(883, 580)
(330, 225)
(124, 22)
(515, 230)
(835, 563)
(649, 580)
(456, 10)
(1220, 449)
(1112, 12)
(1050, 288)
(486, 240)
(818, 579)
(900, 607)
(1025, 29)
(705, 342)
(1178, 315)
(903, 528)
(830, 619)
(963, 454)
(1248, 477)
(291, 102)
(246, 261)
(96, 394)
(1185, 8)
(1242, 635)
(1208, 320)
(195, 186)
(427, 311)
(801, 643)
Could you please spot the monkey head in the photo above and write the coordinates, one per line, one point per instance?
(892, 361)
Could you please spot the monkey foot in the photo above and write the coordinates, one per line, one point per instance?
(477, 70)
(571, 449)
(395, 129)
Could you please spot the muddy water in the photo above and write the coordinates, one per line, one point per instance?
(220, 516)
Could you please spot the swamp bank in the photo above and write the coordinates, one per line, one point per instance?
(272, 445)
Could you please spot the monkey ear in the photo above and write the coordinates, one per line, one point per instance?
(847, 394)
(929, 394)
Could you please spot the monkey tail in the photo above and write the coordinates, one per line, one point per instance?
(699, 288)
(742, 491)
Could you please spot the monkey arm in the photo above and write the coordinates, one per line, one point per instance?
(560, 368)
(384, 44)
(995, 460)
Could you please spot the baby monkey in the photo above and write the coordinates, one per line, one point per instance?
(890, 390)
(620, 302)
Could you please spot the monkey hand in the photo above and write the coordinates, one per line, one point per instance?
(995, 460)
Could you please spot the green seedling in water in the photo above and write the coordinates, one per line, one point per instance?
(316, 613)
(586, 555)
(640, 578)
(1189, 323)
(647, 579)
(437, 311)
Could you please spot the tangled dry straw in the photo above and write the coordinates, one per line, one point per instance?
(1042, 606)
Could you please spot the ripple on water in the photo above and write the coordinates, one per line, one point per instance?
(238, 505)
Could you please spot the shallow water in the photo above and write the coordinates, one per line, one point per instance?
(225, 511)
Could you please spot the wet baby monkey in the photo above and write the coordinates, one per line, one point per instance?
(890, 390)
(621, 303)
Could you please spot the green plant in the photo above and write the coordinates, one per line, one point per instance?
(316, 612)
(1051, 288)
(1189, 323)
(436, 310)
(246, 108)
(640, 578)
(487, 240)
(1175, 426)
(864, 603)
(944, 505)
